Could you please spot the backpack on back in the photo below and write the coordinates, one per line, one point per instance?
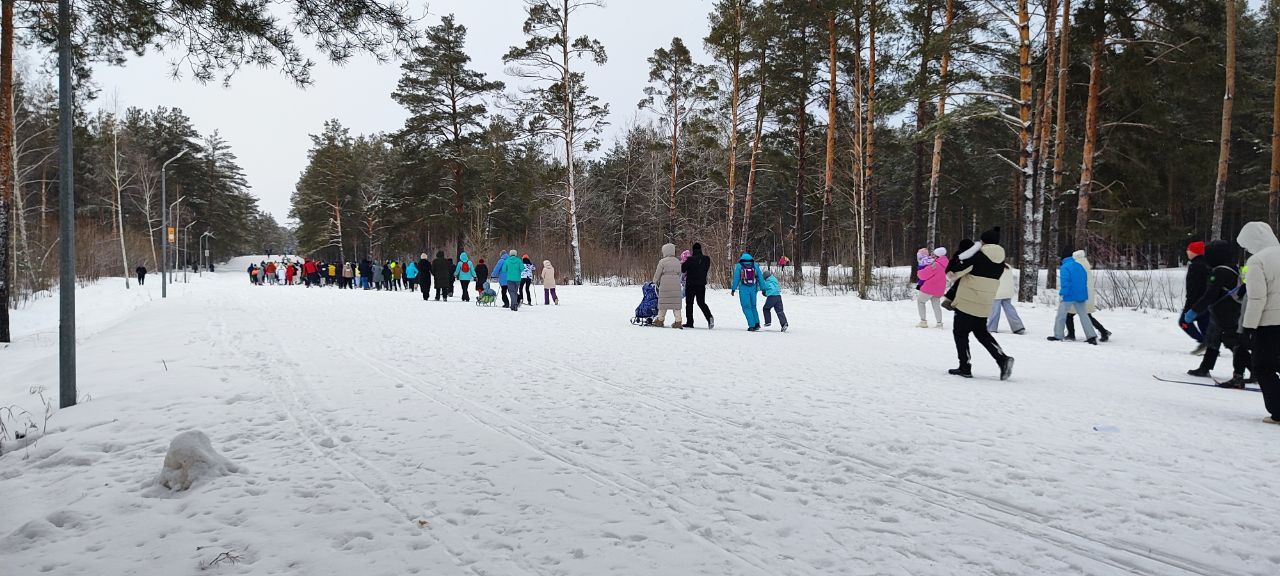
(466, 267)
(748, 275)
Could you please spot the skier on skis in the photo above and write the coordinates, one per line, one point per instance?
(976, 273)
(1197, 282)
(1222, 298)
(1261, 319)
(746, 277)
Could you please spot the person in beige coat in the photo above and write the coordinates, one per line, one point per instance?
(1261, 317)
(549, 283)
(666, 278)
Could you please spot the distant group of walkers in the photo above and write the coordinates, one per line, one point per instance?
(513, 274)
(685, 278)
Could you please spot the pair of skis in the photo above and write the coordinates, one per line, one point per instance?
(1213, 385)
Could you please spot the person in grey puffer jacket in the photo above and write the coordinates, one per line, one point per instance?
(666, 277)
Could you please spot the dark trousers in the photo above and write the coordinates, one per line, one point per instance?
(525, 283)
(412, 284)
(549, 294)
(506, 298)
(1241, 360)
(774, 303)
(1071, 325)
(442, 292)
(142, 278)
(426, 287)
(698, 293)
(466, 296)
(963, 325)
(513, 292)
(1266, 366)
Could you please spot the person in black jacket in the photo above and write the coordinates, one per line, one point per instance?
(1221, 299)
(695, 270)
(444, 275)
(366, 274)
(482, 275)
(424, 276)
(142, 274)
(1197, 283)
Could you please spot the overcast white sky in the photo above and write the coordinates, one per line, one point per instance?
(266, 119)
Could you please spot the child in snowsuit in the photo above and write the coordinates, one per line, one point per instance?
(684, 276)
(746, 277)
(773, 300)
(933, 283)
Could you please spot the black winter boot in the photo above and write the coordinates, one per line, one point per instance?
(963, 371)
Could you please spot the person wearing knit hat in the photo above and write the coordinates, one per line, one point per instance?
(976, 276)
(933, 284)
(1196, 285)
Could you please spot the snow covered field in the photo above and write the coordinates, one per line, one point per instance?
(372, 433)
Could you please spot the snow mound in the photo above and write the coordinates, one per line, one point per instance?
(191, 459)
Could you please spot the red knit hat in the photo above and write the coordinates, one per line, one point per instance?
(1196, 248)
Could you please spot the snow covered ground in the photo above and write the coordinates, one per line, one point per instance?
(372, 433)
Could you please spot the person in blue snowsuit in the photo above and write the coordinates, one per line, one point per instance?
(746, 282)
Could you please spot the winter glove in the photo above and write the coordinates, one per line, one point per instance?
(1189, 317)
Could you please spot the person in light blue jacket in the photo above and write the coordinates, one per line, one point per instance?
(411, 276)
(746, 282)
(465, 272)
(773, 300)
(1073, 287)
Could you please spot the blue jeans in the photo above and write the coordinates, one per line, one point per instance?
(1060, 323)
(1197, 330)
(747, 297)
(1005, 304)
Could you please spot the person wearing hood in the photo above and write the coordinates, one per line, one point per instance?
(465, 274)
(1004, 303)
(482, 275)
(450, 266)
(512, 267)
(976, 276)
(1073, 288)
(411, 275)
(549, 284)
(424, 275)
(772, 291)
(1261, 317)
(526, 278)
(695, 271)
(1090, 305)
(933, 284)
(666, 277)
(443, 275)
(1197, 282)
(1221, 298)
(499, 269)
(746, 283)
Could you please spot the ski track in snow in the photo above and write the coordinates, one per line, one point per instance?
(381, 434)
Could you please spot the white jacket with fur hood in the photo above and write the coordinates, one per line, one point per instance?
(548, 275)
(1263, 278)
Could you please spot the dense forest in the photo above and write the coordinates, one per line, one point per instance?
(842, 132)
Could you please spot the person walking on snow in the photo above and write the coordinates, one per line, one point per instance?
(1261, 319)
(465, 274)
(482, 276)
(549, 284)
(1004, 302)
(499, 273)
(526, 278)
(746, 277)
(684, 277)
(1197, 282)
(348, 275)
(933, 284)
(411, 276)
(1073, 287)
(1090, 305)
(512, 267)
(695, 271)
(976, 273)
(666, 278)
(444, 276)
(773, 300)
(1222, 299)
(141, 270)
(424, 276)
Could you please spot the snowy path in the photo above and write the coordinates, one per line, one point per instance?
(379, 434)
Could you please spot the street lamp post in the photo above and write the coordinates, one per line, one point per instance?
(186, 250)
(66, 216)
(164, 224)
(202, 245)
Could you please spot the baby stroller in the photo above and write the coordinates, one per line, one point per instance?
(487, 297)
(647, 311)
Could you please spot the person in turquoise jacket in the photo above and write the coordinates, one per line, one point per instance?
(465, 272)
(411, 274)
(773, 300)
(746, 282)
(511, 269)
(499, 269)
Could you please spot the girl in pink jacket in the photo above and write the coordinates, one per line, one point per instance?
(933, 284)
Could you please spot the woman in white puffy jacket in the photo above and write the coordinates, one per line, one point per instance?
(1004, 301)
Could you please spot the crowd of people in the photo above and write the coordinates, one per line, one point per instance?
(513, 275)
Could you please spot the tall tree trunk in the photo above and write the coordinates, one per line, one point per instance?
(869, 145)
(7, 175)
(1044, 132)
(1059, 139)
(118, 183)
(755, 157)
(569, 126)
(860, 154)
(1224, 143)
(824, 256)
(675, 163)
(935, 171)
(735, 72)
(1030, 269)
(1273, 203)
(802, 131)
(919, 227)
(1090, 145)
(459, 207)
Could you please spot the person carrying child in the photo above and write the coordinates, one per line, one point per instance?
(932, 284)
